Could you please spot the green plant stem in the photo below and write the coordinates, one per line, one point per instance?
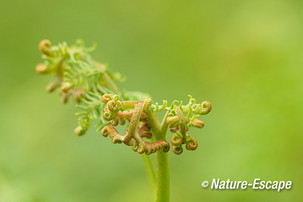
(151, 173)
(163, 176)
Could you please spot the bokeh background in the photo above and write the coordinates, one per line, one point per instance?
(245, 57)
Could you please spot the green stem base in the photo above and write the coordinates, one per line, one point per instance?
(163, 178)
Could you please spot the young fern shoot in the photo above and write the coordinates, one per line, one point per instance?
(94, 89)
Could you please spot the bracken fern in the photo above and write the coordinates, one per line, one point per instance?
(94, 89)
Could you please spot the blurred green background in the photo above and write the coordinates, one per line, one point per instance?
(245, 57)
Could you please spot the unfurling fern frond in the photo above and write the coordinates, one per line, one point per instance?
(94, 89)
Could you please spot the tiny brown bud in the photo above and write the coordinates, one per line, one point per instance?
(64, 97)
(65, 87)
(206, 107)
(171, 120)
(79, 131)
(42, 69)
(106, 97)
(198, 123)
(44, 46)
(51, 86)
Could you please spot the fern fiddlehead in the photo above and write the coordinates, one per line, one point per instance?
(93, 87)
